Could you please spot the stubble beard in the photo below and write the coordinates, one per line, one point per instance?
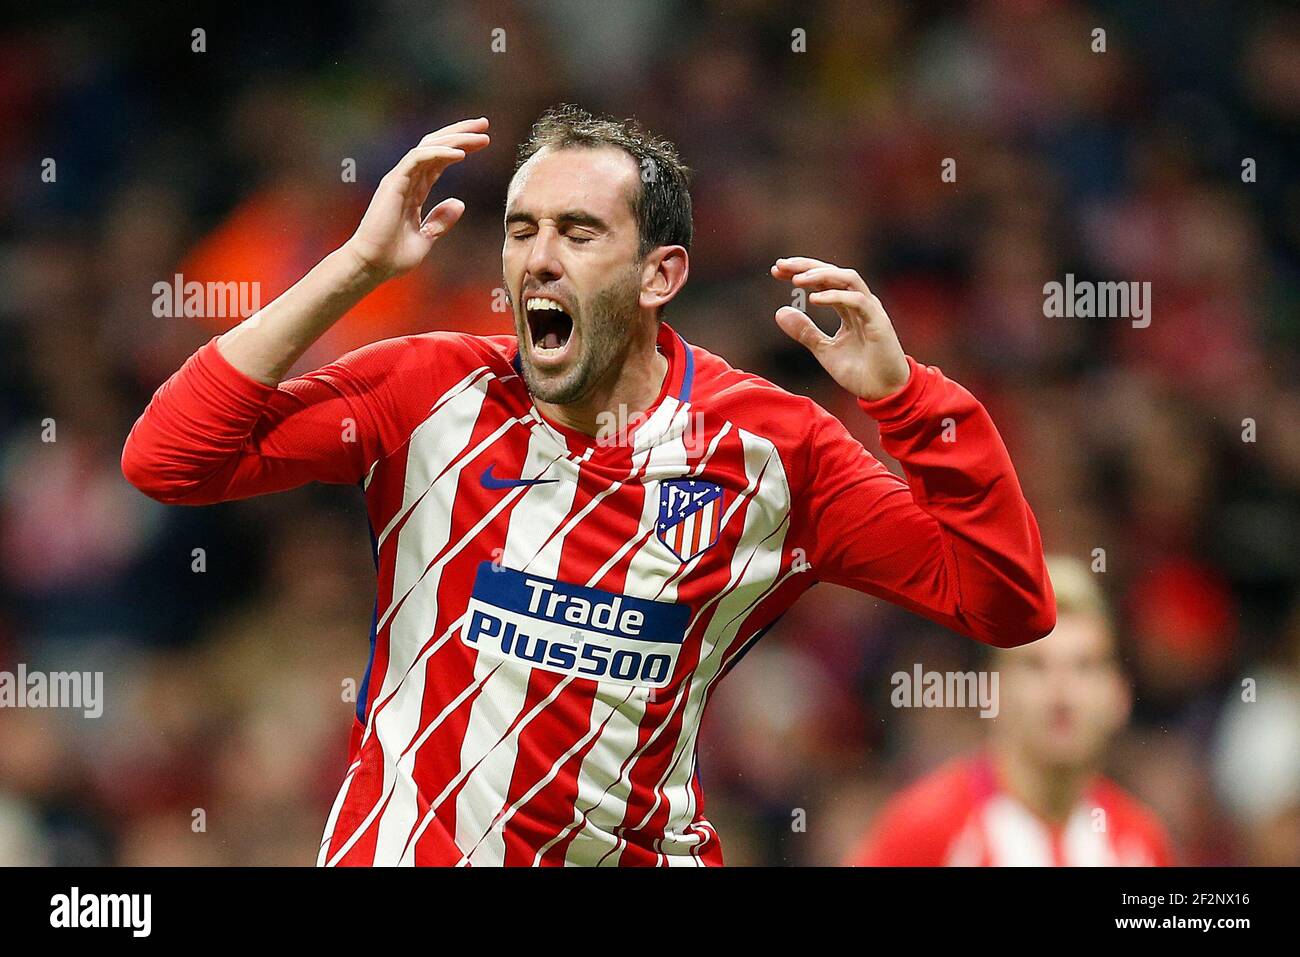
(606, 323)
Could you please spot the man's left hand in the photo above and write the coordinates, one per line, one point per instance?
(864, 355)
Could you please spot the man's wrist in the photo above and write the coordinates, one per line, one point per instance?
(898, 377)
(357, 273)
(898, 403)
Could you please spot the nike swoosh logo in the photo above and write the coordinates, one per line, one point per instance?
(488, 480)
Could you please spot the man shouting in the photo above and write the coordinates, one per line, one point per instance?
(580, 528)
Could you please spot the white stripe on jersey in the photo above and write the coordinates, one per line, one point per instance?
(493, 842)
(1015, 838)
(446, 397)
(395, 717)
(601, 815)
(459, 409)
(443, 434)
(606, 707)
(648, 569)
(1083, 845)
(531, 545)
(434, 464)
(403, 766)
(397, 732)
(755, 565)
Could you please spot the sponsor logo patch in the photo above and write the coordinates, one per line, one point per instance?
(573, 629)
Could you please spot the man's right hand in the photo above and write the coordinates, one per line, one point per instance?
(392, 237)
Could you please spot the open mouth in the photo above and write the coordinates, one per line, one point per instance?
(549, 325)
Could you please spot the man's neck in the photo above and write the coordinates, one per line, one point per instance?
(1052, 794)
(632, 387)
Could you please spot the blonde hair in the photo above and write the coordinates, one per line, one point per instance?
(1077, 591)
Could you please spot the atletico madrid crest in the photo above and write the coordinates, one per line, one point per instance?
(690, 516)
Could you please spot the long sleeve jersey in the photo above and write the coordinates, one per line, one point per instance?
(554, 609)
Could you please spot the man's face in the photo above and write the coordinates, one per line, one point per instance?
(1063, 696)
(571, 238)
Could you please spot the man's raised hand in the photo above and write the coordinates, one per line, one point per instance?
(393, 236)
(864, 355)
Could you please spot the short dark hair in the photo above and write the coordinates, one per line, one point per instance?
(662, 206)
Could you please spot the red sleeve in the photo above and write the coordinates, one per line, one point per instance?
(956, 542)
(213, 434)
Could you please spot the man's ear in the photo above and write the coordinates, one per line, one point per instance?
(663, 274)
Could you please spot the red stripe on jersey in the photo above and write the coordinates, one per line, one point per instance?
(660, 733)
(558, 730)
(366, 791)
(648, 815)
(612, 527)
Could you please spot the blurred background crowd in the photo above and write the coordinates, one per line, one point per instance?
(226, 689)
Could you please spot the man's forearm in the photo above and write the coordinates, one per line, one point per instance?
(267, 344)
(391, 239)
(960, 473)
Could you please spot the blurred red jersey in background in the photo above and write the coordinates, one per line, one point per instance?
(961, 815)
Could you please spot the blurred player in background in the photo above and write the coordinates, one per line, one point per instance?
(1034, 796)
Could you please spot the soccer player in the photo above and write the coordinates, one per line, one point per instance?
(1034, 795)
(580, 528)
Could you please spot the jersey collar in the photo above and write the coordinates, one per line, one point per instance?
(679, 382)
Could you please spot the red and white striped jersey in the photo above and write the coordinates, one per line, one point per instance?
(961, 815)
(554, 609)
